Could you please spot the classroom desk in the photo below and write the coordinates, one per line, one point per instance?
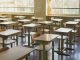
(2, 16)
(45, 39)
(24, 21)
(62, 32)
(28, 27)
(5, 19)
(6, 24)
(7, 33)
(45, 23)
(73, 24)
(57, 20)
(16, 53)
(78, 26)
(37, 19)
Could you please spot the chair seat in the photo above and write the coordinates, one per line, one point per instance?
(64, 37)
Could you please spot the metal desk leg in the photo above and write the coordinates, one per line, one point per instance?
(53, 50)
(4, 38)
(16, 39)
(3, 42)
(43, 28)
(40, 54)
(22, 35)
(62, 43)
(44, 52)
(70, 42)
(49, 29)
(28, 37)
(74, 34)
(59, 45)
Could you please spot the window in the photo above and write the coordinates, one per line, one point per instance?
(17, 6)
(64, 6)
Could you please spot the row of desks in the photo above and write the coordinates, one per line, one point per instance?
(44, 39)
(22, 52)
(33, 25)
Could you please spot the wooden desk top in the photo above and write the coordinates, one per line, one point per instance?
(46, 37)
(77, 20)
(20, 16)
(34, 18)
(31, 25)
(5, 19)
(9, 32)
(37, 18)
(72, 22)
(24, 20)
(7, 23)
(58, 20)
(2, 16)
(15, 53)
(63, 30)
(45, 22)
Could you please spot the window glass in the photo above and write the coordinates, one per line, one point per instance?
(64, 6)
(17, 6)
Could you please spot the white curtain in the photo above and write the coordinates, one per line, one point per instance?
(17, 6)
(64, 6)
